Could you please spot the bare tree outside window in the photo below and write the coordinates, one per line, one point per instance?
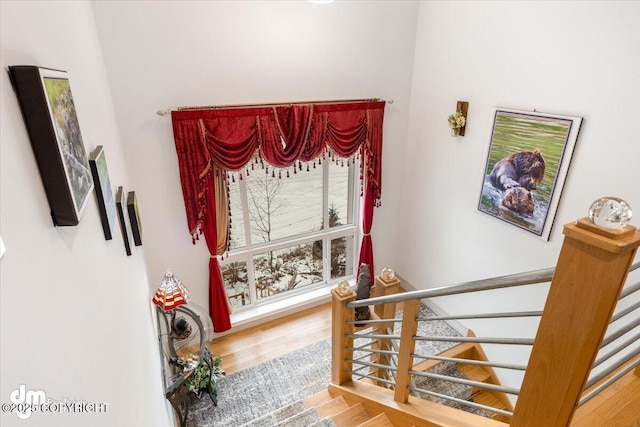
(265, 202)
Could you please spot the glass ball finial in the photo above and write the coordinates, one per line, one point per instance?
(343, 287)
(388, 273)
(610, 212)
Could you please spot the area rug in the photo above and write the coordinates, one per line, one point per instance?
(255, 391)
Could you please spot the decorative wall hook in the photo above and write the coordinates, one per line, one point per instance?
(463, 108)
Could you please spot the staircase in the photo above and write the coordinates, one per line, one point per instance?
(482, 374)
(338, 407)
(319, 410)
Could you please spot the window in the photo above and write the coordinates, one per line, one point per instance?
(291, 230)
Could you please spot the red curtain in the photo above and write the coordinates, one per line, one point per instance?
(282, 135)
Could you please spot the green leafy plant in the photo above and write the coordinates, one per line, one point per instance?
(205, 377)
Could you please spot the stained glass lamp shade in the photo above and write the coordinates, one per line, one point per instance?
(171, 293)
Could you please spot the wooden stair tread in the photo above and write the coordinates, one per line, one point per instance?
(332, 407)
(318, 399)
(487, 397)
(380, 420)
(475, 373)
(462, 351)
(354, 415)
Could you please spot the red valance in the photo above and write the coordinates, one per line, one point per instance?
(281, 135)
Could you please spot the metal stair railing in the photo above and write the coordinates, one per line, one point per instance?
(522, 279)
(620, 366)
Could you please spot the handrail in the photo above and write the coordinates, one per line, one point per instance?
(601, 288)
(511, 280)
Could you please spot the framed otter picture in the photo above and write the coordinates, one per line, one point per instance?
(528, 160)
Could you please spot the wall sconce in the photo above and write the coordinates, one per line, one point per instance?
(458, 120)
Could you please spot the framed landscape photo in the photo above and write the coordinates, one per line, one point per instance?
(124, 224)
(527, 163)
(104, 194)
(134, 217)
(50, 116)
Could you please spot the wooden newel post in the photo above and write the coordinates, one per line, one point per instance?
(340, 316)
(384, 286)
(590, 273)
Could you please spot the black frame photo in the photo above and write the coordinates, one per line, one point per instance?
(104, 194)
(134, 217)
(50, 116)
(124, 226)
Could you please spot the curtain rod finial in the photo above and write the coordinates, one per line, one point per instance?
(163, 112)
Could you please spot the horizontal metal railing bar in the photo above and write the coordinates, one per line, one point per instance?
(626, 343)
(362, 357)
(373, 321)
(471, 362)
(374, 336)
(634, 266)
(371, 364)
(363, 346)
(356, 370)
(617, 334)
(610, 369)
(484, 315)
(371, 377)
(593, 393)
(462, 401)
(492, 387)
(629, 290)
(625, 311)
(376, 351)
(482, 340)
(520, 279)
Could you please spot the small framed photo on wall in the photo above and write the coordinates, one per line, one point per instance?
(104, 194)
(124, 223)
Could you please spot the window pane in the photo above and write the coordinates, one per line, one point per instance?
(236, 282)
(342, 257)
(282, 207)
(340, 207)
(288, 269)
(236, 232)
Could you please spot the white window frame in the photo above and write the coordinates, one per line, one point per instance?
(326, 235)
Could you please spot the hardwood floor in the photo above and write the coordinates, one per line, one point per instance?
(272, 339)
(618, 406)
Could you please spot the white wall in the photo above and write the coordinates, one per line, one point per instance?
(166, 54)
(76, 314)
(575, 58)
